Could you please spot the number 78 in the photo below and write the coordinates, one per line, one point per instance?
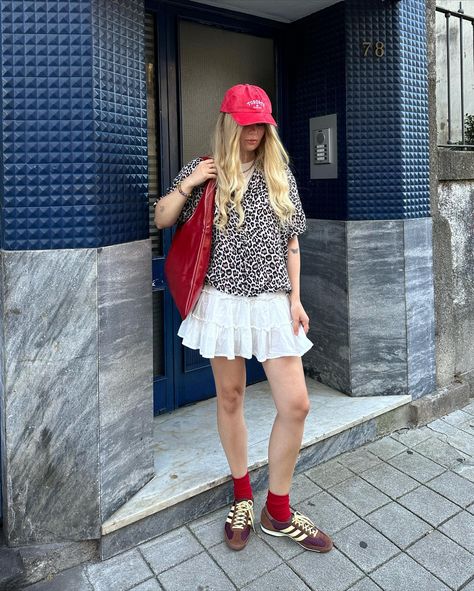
(378, 48)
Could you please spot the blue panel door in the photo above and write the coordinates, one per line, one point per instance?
(181, 375)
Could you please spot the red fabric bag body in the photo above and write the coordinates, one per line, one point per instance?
(188, 258)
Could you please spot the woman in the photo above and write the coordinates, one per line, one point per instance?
(250, 303)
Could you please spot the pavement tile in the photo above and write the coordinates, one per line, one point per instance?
(468, 426)
(453, 436)
(469, 408)
(280, 579)
(416, 465)
(398, 524)
(444, 558)
(460, 528)
(119, 573)
(389, 480)
(411, 437)
(429, 505)
(453, 487)
(402, 572)
(329, 473)
(360, 496)
(73, 579)
(150, 585)
(330, 571)
(365, 584)
(302, 488)
(359, 460)
(327, 513)
(256, 559)
(385, 448)
(209, 529)
(364, 545)
(199, 573)
(441, 452)
(283, 546)
(458, 418)
(465, 469)
(469, 586)
(169, 549)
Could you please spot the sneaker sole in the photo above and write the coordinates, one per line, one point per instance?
(279, 534)
(234, 548)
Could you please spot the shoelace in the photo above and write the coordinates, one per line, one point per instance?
(241, 512)
(305, 523)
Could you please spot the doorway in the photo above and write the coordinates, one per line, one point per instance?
(192, 56)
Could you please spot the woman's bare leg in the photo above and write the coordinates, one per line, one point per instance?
(287, 382)
(230, 378)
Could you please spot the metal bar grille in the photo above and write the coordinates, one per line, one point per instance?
(454, 102)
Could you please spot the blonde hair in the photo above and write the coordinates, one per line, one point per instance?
(271, 158)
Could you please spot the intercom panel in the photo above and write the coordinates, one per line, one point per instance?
(323, 146)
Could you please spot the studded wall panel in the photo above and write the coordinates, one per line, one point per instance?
(386, 110)
(73, 123)
(317, 87)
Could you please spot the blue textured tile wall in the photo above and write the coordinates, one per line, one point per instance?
(387, 111)
(381, 103)
(74, 123)
(120, 119)
(414, 108)
(317, 83)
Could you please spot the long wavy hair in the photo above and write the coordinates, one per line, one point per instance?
(270, 157)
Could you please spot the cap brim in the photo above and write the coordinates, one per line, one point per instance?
(251, 118)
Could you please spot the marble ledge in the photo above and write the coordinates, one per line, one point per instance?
(177, 471)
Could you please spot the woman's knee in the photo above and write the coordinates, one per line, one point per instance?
(297, 408)
(230, 398)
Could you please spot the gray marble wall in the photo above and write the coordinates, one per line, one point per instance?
(324, 295)
(420, 306)
(125, 371)
(368, 288)
(377, 327)
(76, 402)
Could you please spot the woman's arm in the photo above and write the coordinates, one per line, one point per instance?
(298, 314)
(169, 207)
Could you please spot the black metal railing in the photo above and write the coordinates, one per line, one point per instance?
(457, 84)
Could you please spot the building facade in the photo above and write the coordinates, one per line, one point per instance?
(102, 102)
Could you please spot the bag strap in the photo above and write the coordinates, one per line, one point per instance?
(209, 193)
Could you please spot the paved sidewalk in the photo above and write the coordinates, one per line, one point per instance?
(400, 511)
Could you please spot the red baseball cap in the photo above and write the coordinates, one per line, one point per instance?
(248, 104)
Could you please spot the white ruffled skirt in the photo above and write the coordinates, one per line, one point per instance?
(225, 325)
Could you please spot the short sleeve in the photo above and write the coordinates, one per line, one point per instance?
(297, 223)
(190, 203)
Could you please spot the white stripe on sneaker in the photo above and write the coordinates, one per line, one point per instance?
(295, 534)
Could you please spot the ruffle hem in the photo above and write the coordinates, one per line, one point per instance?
(226, 325)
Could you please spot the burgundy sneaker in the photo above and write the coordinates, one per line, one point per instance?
(238, 523)
(299, 528)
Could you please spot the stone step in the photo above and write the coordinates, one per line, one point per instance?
(192, 475)
(12, 570)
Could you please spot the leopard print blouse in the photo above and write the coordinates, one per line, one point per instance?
(253, 259)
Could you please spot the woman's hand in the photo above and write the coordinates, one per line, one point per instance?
(299, 316)
(205, 170)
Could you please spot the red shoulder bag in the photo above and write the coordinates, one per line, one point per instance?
(188, 258)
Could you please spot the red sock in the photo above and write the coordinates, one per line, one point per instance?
(279, 506)
(242, 488)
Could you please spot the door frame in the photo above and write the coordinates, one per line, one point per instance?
(168, 13)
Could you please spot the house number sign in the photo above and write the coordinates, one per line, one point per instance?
(377, 48)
